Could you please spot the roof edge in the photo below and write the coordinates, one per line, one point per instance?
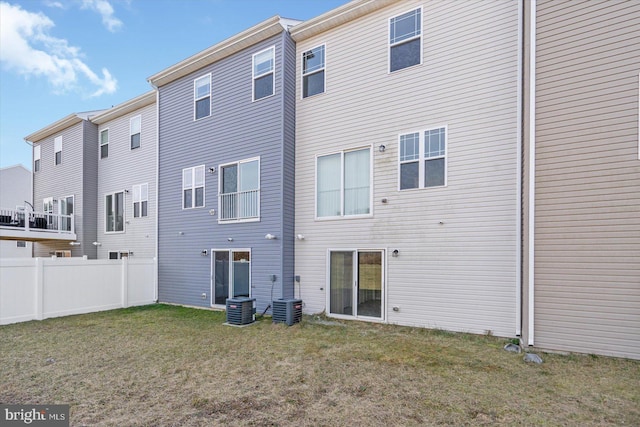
(126, 107)
(335, 17)
(221, 50)
(55, 127)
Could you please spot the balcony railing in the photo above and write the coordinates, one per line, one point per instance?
(239, 205)
(11, 219)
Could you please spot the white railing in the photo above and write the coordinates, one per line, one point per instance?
(37, 221)
(239, 205)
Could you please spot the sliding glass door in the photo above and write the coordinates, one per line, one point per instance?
(356, 283)
(230, 274)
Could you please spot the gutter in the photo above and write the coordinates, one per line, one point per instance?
(157, 228)
(532, 167)
(519, 174)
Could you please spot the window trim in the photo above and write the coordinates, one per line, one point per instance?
(196, 99)
(342, 216)
(254, 77)
(142, 200)
(421, 158)
(131, 134)
(303, 74)
(420, 36)
(101, 144)
(193, 187)
(124, 212)
(57, 141)
(37, 152)
(220, 182)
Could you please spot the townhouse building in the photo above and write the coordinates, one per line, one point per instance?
(407, 164)
(15, 197)
(126, 190)
(226, 170)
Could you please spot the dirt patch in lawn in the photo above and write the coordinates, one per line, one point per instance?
(172, 366)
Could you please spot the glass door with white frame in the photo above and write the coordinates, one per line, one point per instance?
(230, 274)
(356, 283)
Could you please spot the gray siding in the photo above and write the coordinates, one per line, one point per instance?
(121, 170)
(237, 129)
(587, 217)
(15, 189)
(63, 180)
(89, 189)
(457, 267)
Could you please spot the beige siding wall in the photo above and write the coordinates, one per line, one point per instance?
(461, 274)
(587, 239)
(122, 169)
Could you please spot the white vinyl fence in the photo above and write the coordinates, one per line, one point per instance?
(39, 288)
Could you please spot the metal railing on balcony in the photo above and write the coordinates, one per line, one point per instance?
(239, 205)
(36, 221)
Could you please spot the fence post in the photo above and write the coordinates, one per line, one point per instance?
(125, 282)
(39, 294)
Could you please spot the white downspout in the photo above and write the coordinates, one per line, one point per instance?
(519, 178)
(532, 165)
(157, 229)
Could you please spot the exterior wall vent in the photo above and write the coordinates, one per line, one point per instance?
(287, 311)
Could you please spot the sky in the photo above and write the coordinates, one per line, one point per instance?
(59, 57)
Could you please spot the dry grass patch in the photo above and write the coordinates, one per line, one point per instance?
(164, 366)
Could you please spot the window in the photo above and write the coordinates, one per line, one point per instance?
(343, 186)
(104, 143)
(21, 244)
(313, 71)
(140, 200)
(239, 196)
(405, 40)
(134, 131)
(193, 187)
(47, 205)
(202, 97)
(58, 149)
(263, 73)
(231, 274)
(65, 205)
(36, 158)
(63, 253)
(114, 212)
(423, 159)
(119, 254)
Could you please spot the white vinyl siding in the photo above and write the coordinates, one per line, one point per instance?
(193, 187)
(457, 265)
(57, 151)
(202, 97)
(264, 73)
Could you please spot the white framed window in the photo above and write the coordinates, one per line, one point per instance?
(140, 200)
(57, 149)
(48, 205)
(313, 74)
(21, 244)
(114, 212)
(193, 187)
(239, 191)
(104, 143)
(343, 184)
(36, 158)
(202, 97)
(65, 253)
(405, 40)
(119, 254)
(423, 159)
(135, 129)
(264, 73)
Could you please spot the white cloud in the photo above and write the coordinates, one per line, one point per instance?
(29, 50)
(55, 4)
(104, 8)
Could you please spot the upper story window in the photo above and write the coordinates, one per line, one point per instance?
(193, 187)
(135, 127)
(264, 73)
(202, 97)
(57, 149)
(405, 40)
(313, 71)
(36, 158)
(114, 212)
(104, 143)
(239, 195)
(140, 200)
(343, 184)
(423, 159)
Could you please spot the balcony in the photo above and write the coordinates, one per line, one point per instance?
(34, 226)
(239, 206)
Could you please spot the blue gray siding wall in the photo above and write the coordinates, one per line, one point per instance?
(237, 129)
(89, 189)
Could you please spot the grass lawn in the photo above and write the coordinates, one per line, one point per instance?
(164, 366)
